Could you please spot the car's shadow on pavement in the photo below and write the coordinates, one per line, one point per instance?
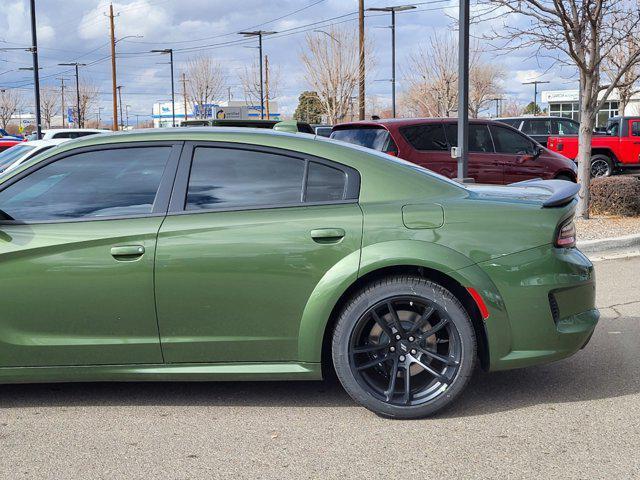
(598, 372)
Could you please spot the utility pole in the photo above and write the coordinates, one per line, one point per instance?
(126, 109)
(173, 93)
(113, 68)
(462, 152)
(260, 34)
(119, 88)
(361, 71)
(98, 116)
(184, 94)
(535, 93)
(266, 82)
(36, 74)
(393, 10)
(228, 94)
(62, 100)
(497, 100)
(76, 65)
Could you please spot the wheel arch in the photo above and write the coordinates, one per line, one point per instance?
(605, 151)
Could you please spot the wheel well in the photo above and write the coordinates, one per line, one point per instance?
(604, 151)
(446, 281)
(567, 173)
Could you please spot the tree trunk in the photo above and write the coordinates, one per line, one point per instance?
(588, 103)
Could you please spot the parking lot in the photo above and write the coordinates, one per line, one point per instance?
(579, 418)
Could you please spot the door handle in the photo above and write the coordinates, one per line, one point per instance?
(327, 235)
(127, 251)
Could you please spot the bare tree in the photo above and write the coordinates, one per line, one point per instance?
(10, 102)
(627, 86)
(206, 83)
(511, 107)
(88, 100)
(433, 78)
(581, 34)
(250, 80)
(49, 104)
(331, 63)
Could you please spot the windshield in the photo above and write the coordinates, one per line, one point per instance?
(12, 154)
(374, 138)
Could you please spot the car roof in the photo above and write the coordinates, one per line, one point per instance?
(535, 117)
(47, 142)
(402, 122)
(58, 130)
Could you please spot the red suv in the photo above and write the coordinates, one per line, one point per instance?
(498, 153)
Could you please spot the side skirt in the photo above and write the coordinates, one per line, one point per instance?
(189, 372)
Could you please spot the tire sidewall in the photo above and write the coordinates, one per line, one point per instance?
(601, 158)
(384, 290)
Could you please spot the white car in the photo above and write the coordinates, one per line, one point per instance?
(53, 133)
(18, 154)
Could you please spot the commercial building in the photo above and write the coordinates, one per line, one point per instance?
(565, 103)
(235, 109)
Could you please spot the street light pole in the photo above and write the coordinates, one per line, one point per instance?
(259, 34)
(173, 93)
(119, 88)
(36, 74)
(463, 91)
(535, 93)
(393, 10)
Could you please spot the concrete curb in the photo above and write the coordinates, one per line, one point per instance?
(606, 244)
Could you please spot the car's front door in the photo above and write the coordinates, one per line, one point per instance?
(517, 153)
(77, 246)
(250, 234)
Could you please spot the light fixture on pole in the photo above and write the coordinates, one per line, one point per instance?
(535, 84)
(259, 34)
(173, 95)
(393, 10)
(76, 65)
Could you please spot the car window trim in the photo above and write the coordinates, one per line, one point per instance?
(160, 203)
(177, 203)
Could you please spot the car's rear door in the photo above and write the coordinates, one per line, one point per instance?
(250, 233)
(426, 145)
(484, 165)
(77, 250)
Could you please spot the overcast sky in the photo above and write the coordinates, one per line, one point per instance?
(77, 30)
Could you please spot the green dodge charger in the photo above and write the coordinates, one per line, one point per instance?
(239, 254)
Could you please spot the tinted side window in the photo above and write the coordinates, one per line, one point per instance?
(325, 183)
(508, 141)
(63, 135)
(227, 178)
(511, 122)
(635, 129)
(102, 183)
(426, 137)
(565, 127)
(479, 137)
(537, 127)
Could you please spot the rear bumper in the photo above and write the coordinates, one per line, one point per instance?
(547, 304)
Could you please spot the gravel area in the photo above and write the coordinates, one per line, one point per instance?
(598, 227)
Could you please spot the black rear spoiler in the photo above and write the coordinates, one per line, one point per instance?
(562, 191)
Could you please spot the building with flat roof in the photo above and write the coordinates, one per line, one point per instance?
(565, 103)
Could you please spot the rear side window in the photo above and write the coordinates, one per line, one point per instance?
(228, 178)
(374, 138)
(325, 183)
(426, 137)
(635, 129)
(511, 122)
(509, 141)
(537, 127)
(101, 183)
(479, 137)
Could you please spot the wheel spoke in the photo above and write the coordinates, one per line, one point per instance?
(422, 320)
(370, 348)
(436, 328)
(441, 358)
(384, 325)
(392, 381)
(407, 386)
(394, 318)
(373, 363)
(438, 375)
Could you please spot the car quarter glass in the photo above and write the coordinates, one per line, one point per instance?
(99, 183)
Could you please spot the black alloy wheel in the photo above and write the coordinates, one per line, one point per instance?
(408, 352)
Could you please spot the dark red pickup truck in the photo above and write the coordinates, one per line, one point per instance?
(614, 152)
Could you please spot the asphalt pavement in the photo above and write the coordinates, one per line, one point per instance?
(578, 418)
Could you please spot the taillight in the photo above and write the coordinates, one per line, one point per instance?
(566, 237)
(393, 153)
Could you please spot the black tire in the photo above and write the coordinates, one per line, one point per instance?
(440, 355)
(601, 166)
(566, 178)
